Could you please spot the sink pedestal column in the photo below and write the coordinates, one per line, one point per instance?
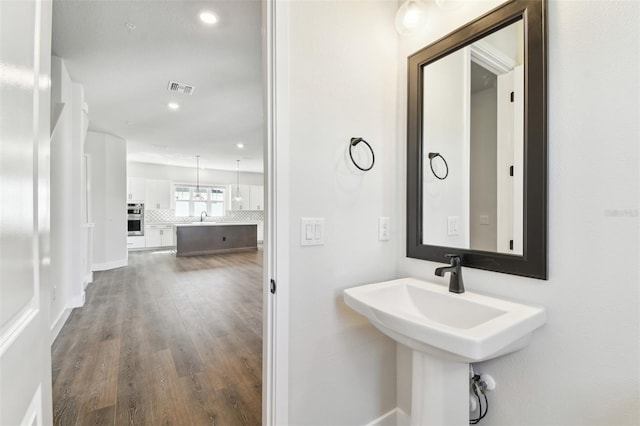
(439, 391)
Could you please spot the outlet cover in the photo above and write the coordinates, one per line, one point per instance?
(384, 231)
(453, 225)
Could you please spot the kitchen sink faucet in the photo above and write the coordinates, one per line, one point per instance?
(203, 213)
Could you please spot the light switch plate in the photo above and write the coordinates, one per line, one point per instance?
(312, 231)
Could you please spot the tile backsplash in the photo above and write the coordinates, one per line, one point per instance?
(168, 216)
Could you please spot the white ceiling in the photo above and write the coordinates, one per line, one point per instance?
(125, 73)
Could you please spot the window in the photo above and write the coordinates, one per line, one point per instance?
(192, 202)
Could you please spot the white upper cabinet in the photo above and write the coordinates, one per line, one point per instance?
(157, 194)
(135, 190)
(252, 197)
(256, 197)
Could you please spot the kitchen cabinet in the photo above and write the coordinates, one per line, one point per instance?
(256, 200)
(194, 240)
(252, 197)
(159, 236)
(135, 242)
(157, 194)
(136, 190)
(260, 233)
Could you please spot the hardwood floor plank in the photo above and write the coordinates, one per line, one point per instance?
(242, 409)
(98, 390)
(164, 341)
(65, 411)
(133, 370)
(200, 399)
(133, 408)
(101, 417)
(168, 403)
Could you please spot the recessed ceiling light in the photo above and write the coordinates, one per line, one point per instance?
(240, 145)
(130, 26)
(173, 105)
(208, 17)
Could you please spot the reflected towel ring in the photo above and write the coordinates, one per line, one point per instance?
(356, 141)
(433, 155)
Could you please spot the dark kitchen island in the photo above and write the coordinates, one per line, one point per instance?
(194, 239)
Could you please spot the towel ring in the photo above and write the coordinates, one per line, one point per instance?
(433, 155)
(356, 141)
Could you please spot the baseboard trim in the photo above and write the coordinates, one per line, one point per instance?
(109, 265)
(393, 417)
(58, 323)
(78, 301)
(88, 279)
(403, 418)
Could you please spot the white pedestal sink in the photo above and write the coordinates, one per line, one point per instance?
(446, 331)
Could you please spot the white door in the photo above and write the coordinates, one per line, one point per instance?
(510, 161)
(25, 343)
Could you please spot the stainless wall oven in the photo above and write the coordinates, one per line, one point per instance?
(135, 219)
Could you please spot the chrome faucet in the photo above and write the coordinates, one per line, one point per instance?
(203, 213)
(456, 285)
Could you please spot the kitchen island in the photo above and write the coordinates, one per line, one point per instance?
(193, 239)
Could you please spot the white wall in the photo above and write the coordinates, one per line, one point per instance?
(582, 367)
(108, 199)
(508, 41)
(66, 189)
(342, 84)
(188, 174)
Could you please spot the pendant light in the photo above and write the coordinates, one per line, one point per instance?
(198, 196)
(237, 196)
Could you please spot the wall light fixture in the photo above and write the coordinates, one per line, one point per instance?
(409, 16)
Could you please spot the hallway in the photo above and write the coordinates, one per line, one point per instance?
(164, 341)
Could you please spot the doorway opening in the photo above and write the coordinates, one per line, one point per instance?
(126, 55)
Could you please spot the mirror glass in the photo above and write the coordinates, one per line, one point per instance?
(472, 145)
(477, 143)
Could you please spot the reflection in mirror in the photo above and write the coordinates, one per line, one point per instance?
(473, 116)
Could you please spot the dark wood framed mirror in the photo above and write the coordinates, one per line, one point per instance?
(477, 143)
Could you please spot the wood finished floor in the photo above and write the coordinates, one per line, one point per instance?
(164, 341)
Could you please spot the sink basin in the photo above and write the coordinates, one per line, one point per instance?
(446, 331)
(465, 327)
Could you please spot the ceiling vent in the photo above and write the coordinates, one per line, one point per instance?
(185, 89)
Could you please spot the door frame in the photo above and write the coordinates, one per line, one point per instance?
(275, 384)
